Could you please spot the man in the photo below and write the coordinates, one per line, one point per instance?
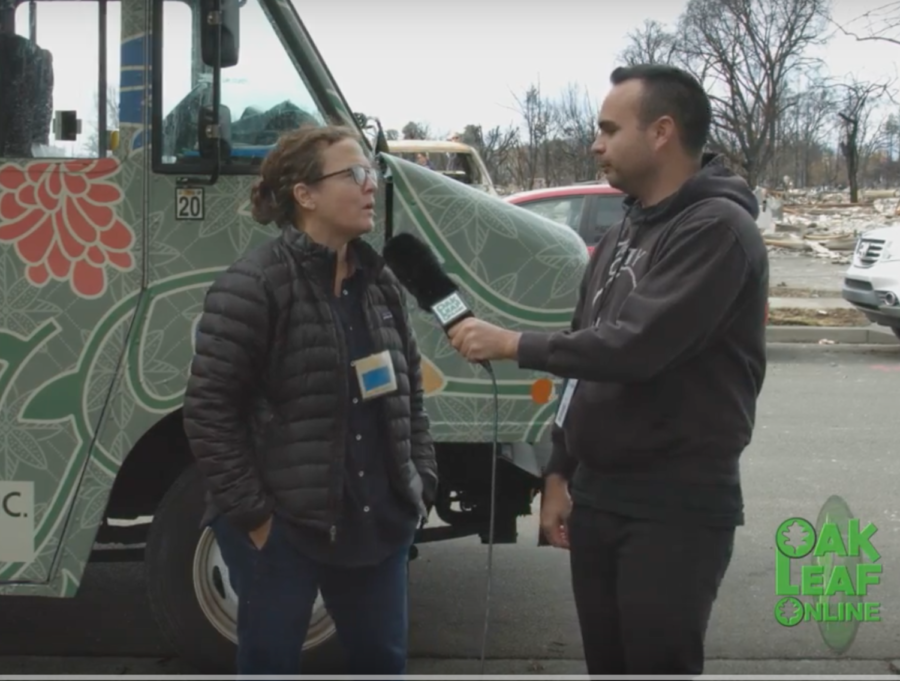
(665, 361)
(453, 160)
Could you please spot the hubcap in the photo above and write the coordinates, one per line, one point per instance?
(219, 602)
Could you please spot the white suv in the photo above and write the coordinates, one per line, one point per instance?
(872, 283)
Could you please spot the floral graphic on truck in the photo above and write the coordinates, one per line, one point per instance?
(62, 218)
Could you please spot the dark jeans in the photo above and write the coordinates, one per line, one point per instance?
(277, 588)
(644, 591)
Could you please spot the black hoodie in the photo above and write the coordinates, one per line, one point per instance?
(669, 361)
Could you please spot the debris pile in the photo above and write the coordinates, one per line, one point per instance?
(822, 222)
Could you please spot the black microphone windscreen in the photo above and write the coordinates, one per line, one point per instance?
(418, 269)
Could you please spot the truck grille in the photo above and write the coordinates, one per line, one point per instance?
(868, 251)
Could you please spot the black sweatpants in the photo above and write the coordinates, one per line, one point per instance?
(644, 591)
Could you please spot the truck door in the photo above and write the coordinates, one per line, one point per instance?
(198, 230)
(69, 271)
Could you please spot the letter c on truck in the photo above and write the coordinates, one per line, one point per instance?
(6, 509)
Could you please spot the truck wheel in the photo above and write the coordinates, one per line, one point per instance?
(190, 594)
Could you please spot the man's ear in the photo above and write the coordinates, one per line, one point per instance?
(664, 131)
(303, 195)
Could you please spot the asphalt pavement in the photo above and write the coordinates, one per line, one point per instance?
(827, 425)
(801, 270)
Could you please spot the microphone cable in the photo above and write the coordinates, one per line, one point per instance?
(493, 512)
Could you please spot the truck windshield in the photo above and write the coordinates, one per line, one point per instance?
(265, 93)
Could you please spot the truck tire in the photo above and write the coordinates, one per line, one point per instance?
(190, 595)
(896, 330)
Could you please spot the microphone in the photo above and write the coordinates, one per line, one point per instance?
(418, 269)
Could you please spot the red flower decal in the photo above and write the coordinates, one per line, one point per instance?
(63, 221)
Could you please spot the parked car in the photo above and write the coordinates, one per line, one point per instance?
(589, 208)
(453, 159)
(872, 282)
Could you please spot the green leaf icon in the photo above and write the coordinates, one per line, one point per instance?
(789, 611)
(795, 537)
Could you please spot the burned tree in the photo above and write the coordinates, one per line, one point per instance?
(416, 131)
(855, 112)
(576, 122)
(880, 24)
(650, 44)
(850, 150)
(537, 114)
(806, 134)
(496, 147)
(745, 52)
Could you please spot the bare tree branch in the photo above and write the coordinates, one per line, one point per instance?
(497, 148)
(537, 114)
(745, 52)
(880, 23)
(651, 44)
(856, 108)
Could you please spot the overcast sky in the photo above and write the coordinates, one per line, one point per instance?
(451, 62)
(442, 62)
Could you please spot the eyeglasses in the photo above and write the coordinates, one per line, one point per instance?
(359, 174)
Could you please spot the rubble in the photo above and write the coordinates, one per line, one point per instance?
(822, 223)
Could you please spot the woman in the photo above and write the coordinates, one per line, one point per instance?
(305, 413)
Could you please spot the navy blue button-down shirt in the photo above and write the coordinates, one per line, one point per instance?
(375, 520)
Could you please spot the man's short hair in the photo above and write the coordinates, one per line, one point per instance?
(670, 91)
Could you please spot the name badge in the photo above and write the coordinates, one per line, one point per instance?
(375, 375)
(564, 402)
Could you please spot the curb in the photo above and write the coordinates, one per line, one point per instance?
(848, 335)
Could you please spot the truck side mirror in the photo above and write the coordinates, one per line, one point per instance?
(227, 15)
(208, 135)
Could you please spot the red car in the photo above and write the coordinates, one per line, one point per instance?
(590, 208)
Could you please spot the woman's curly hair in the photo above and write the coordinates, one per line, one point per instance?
(296, 157)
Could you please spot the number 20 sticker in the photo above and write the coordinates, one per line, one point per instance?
(189, 203)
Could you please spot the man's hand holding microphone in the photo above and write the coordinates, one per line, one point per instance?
(481, 341)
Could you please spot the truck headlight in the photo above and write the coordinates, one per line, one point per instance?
(891, 251)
